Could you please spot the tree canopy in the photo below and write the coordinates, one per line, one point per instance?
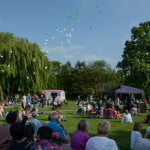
(135, 64)
(24, 68)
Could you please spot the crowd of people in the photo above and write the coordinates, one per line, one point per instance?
(111, 109)
(23, 131)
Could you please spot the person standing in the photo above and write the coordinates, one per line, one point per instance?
(24, 100)
(117, 104)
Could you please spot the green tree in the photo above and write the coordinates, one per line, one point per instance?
(80, 80)
(22, 65)
(65, 78)
(135, 64)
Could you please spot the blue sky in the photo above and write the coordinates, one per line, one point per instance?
(85, 30)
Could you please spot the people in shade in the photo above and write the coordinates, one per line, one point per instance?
(44, 140)
(19, 141)
(80, 136)
(5, 136)
(101, 141)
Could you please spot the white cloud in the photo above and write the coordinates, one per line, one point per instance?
(134, 24)
(62, 49)
(68, 57)
(89, 58)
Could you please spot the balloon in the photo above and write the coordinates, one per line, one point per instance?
(68, 23)
(68, 41)
(91, 5)
(53, 37)
(68, 35)
(77, 19)
(70, 17)
(90, 27)
(99, 11)
(46, 33)
(72, 29)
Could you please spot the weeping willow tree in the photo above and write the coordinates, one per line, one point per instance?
(23, 67)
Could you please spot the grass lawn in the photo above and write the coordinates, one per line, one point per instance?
(120, 132)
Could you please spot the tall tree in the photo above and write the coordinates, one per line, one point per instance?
(135, 64)
(24, 68)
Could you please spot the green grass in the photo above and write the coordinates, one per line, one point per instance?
(120, 132)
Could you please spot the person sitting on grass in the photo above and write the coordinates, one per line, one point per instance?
(135, 133)
(133, 109)
(110, 112)
(126, 117)
(102, 142)
(44, 140)
(5, 137)
(19, 141)
(35, 122)
(142, 143)
(54, 124)
(80, 137)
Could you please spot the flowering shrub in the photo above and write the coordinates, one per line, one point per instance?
(56, 137)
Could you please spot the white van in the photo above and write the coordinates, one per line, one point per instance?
(55, 95)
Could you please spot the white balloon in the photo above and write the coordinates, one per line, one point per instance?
(68, 40)
(53, 37)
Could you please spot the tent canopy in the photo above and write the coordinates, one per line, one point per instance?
(123, 89)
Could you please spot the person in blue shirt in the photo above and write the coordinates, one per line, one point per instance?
(55, 125)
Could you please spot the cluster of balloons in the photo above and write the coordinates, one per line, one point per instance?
(66, 30)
